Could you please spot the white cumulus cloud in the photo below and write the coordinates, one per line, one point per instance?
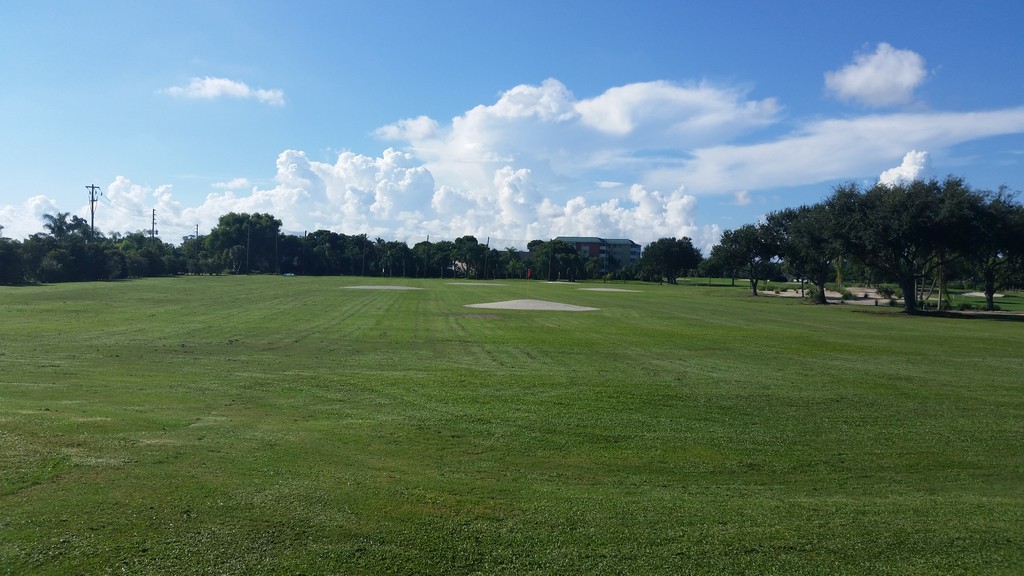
(565, 142)
(20, 221)
(915, 165)
(886, 76)
(691, 112)
(538, 162)
(210, 88)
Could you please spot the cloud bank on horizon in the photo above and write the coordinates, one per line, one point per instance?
(631, 162)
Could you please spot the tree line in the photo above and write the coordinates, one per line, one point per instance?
(69, 250)
(912, 234)
(909, 234)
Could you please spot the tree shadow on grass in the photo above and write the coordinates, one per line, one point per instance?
(982, 315)
(953, 314)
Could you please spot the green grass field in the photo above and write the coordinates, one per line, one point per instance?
(272, 425)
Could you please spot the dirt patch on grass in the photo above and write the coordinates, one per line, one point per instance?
(608, 290)
(532, 305)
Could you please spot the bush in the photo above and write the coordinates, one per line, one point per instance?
(886, 291)
(965, 306)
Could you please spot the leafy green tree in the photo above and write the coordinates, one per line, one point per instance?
(468, 254)
(64, 226)
(421, 259)
(67, 252)
(395, 258)
(997, 250)
(721, 263)
(442, 258)
(491, 264)
(751, 248)
(144, 256)
(291, 253)
(555, 260)
(360, 253)
(324, 253)
(905, 231)
(12, 264)
(807, 243)
(511, 263)
(246, 242)
(670, 258)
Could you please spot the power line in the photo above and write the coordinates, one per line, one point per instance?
(137, 214)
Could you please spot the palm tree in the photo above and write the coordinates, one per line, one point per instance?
(58, 225)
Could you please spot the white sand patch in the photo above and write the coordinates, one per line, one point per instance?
(473, 284)
(532, 305)
(608, 290)
(863, 296)
(980, 295)
(383, 288)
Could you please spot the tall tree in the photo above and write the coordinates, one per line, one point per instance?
(903, 231)
(752, 247)
(555, 260)
(807, 243)
(670, 258)
(12, 264)
(997, 250)
(246, 241)
(468, 255)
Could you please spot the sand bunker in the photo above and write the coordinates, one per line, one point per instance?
(383, 288)
(609, 290)
(532, 305)
(474, 284)
(980, 295)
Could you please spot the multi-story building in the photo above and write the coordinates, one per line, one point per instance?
(622, 251)
(614, 254)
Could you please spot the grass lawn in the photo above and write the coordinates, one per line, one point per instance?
(291, 425)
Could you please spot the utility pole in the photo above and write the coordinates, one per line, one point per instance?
(152, 230)
(487, 251)
(94, 194)
(248, 241)
(551, 258)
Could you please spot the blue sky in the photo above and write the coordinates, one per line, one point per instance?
(509, 120)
